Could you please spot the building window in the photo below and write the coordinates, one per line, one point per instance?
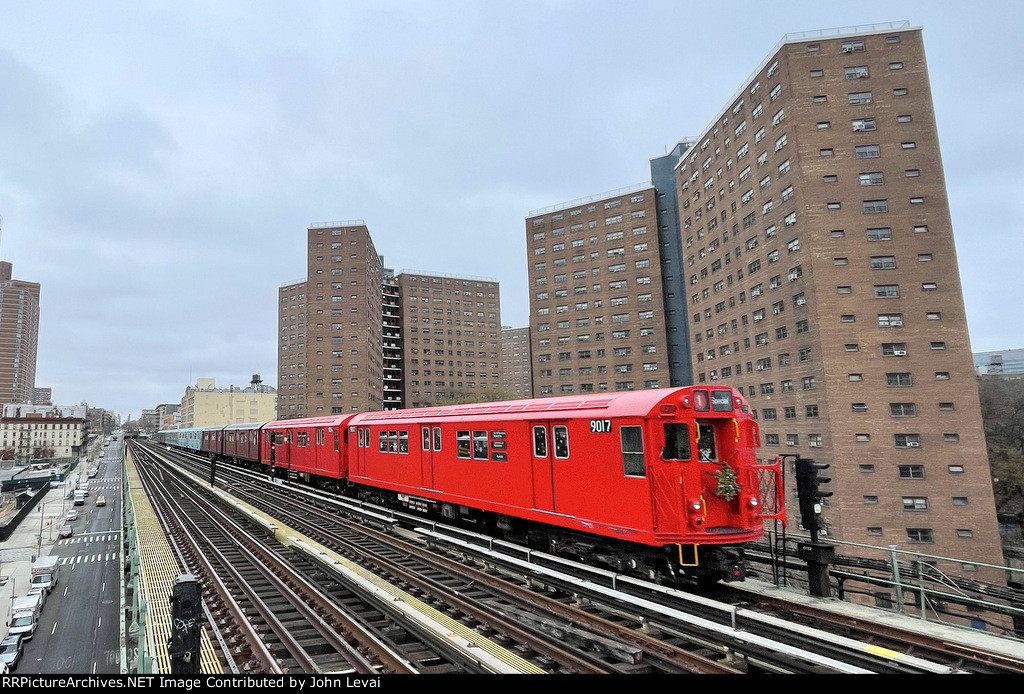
(911, 472)
(867, 151)
(907, 440)
(902, 409)
(898, 380)
(919, 535)
(876, 206)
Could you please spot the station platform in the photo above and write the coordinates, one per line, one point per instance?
(158, 568)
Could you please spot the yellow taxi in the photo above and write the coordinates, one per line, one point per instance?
(101, 500)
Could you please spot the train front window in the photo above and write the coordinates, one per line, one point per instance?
(632, 439)
(426, 438)
(677, 442)
(706, 448)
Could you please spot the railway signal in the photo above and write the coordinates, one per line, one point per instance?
(807, 482)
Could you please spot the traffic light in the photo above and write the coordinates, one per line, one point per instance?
(807, 482)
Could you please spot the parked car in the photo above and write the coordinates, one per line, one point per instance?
(72, 515)
(67, 531)
(101, 500)
(11, 649)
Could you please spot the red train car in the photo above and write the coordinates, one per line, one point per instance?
(306, 449)
(212, 441)
(242, 441)
(673, 470)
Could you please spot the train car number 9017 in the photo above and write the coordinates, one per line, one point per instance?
(600, 426)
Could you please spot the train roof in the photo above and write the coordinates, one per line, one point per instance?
(338, 420)
(637, 403)
(244, 425)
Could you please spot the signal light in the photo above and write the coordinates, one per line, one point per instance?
(807, 481)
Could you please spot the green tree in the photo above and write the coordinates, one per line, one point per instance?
(1002, 410)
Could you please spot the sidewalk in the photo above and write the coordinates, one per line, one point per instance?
(19, 551)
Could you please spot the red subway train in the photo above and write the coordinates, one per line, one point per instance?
(654, 482)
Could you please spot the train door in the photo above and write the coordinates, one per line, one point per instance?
(282, 450)
(431, 445)
(362, 441)
(550, 445)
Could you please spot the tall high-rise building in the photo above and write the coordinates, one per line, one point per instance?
(330, 349)
(516, 361)
(451, 335)
(822, 281)
(596, 300)
(19, 337)
(806, 258)
(354, 336)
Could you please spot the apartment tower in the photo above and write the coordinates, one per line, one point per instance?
(822, 281)
(451, 336)
(516, 362)
(596, 299)
(19, 337)
(330, 349)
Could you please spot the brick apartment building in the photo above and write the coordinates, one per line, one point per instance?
(807, 256)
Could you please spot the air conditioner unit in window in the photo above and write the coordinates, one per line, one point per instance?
(899, 352)
(857, 127)
(790, 443)
(913, 444)
(847, 49)
(814, 445)
(801, 302)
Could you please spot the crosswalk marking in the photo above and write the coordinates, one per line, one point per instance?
(87, 558)
(105, 537)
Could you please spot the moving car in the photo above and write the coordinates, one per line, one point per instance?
(72, 515)
(67, 531)
(101, 500)
(11, 650)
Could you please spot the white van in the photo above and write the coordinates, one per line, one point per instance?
(23, 623)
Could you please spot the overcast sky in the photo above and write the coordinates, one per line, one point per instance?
(161, 161)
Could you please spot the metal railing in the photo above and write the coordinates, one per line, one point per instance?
(909, 582)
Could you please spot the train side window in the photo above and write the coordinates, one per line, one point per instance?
(462, 444)
(359, 435)
(403, 442)
(706, 442)
(319, 437)
(437, 438)
(336, 438)
(561, 436)
(540, 442)
(382, 441)
(632, 439)
(426, 438)
(480, 445)
(393, 442)
(677, 442)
